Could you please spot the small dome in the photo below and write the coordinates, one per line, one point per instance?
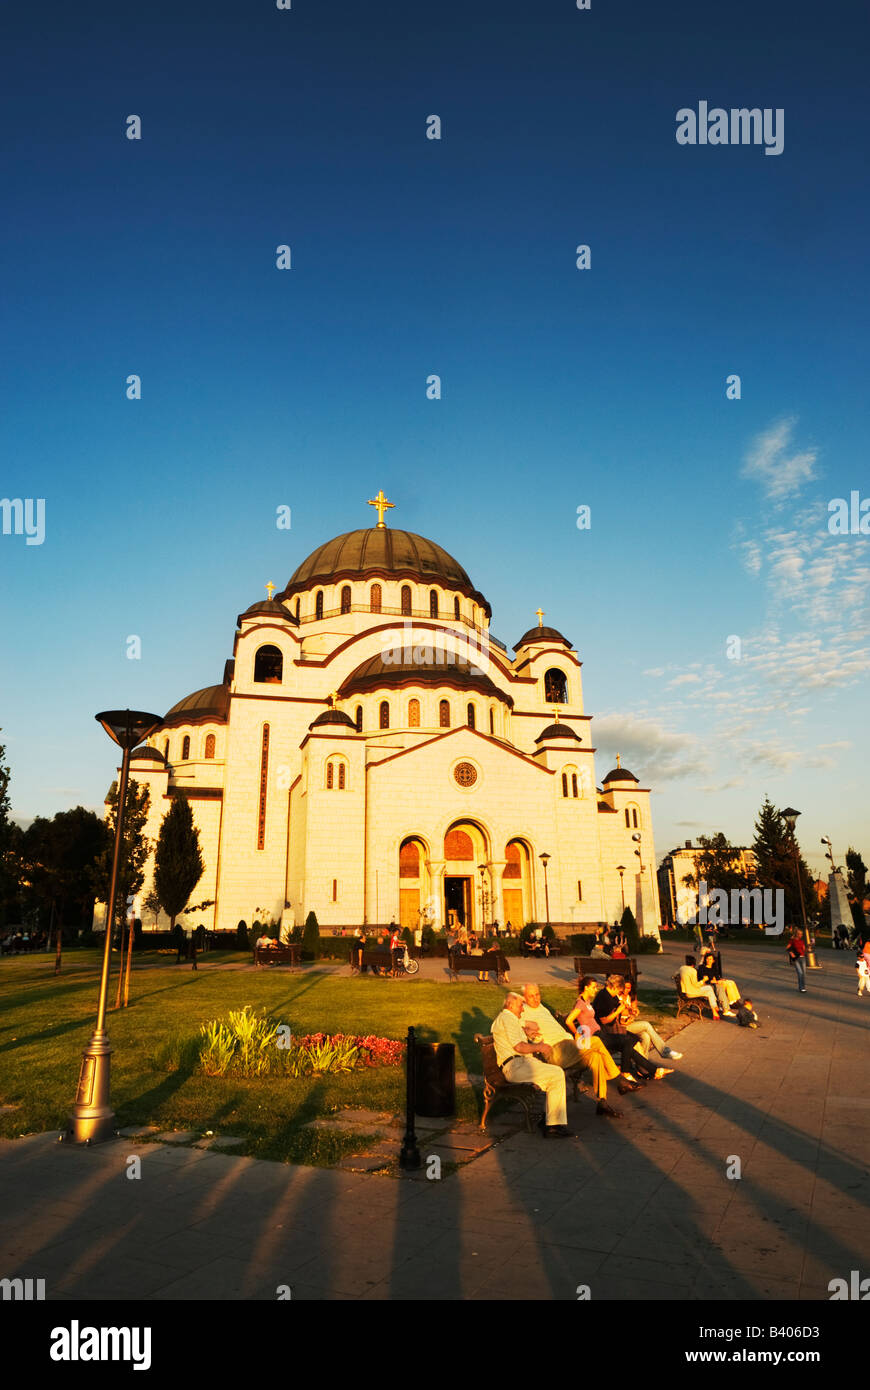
(146, 754)
(212, 702)
(541, 634)
(557, 731)
(332, 716)
(268, 608)
(619, 774)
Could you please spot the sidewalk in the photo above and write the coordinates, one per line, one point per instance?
(640, 1208)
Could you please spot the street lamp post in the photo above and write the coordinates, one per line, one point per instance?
(790, 816)
(620, 869)
(545, 859)
(92, 1119)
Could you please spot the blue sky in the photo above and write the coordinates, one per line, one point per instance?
(561, 387)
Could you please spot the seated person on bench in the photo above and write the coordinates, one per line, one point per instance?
(607, 1007)
(522, 1061)
(568, 1049)
(726, 990)
(692, 988)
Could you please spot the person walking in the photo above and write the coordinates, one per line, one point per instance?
(796, 951)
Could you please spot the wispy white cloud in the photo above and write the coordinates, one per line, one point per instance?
(771, 461)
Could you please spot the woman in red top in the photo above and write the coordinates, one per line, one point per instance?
(796, 952)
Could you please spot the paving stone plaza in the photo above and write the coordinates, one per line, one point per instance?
(640, 1209)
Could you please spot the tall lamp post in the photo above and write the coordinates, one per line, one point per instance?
(545, 859)
(484, 897)
(790, 816)
(620, 869)
(92, 1119)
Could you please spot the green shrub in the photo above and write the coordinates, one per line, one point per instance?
(311, 938)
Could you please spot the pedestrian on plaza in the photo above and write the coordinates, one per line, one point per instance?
(796, 951)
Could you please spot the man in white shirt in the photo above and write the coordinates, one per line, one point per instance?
(568, 1051)
(519, 1059)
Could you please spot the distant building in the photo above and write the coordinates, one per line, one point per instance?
(680, 899)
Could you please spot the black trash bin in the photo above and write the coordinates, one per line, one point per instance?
(435, 1075)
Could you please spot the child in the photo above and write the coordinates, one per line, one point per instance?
(746, 1015)
(863, 966)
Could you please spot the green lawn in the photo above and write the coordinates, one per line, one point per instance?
(45, 1022)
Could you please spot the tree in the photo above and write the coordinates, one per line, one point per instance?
(718, 864)
(311, 938)
(135, 848)
(151, 903)
(9, 877)
(178, 864)
(774, 852)
(59, 859)
(628, 924)
(856, 882)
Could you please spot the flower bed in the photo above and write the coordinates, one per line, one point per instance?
(248, 1044)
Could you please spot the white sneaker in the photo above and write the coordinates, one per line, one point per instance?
(729, 1013)
(671, 1053)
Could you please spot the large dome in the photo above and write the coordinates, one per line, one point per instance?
(382, 551)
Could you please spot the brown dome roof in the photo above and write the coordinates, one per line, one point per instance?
(211, 703)
(375, 673)
(541, 634)
(384, 551)
(557, 731)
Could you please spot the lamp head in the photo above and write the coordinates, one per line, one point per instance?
(128, 727)
(790, 815)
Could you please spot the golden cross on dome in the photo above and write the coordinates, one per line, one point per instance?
(539, 614)
(618, 761)
(382, 505)
(556, 713)
(334, 698)
(270, 588)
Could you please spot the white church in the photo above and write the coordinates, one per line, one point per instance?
(373, 753)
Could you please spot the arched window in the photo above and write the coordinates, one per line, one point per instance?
(268, 666)
(330, 776)
(564, 784)
(444, 714)
(634, 817)
(342, 770)
(318, 604)
(628, 817)
(433, 603)
(413, 714)
(345, 598)
(555, 687)
(359, 719)
(492, 721)
(406, 599)
(376, 598)
(185, 748)
(456, 613)
(166, 749)
(574, 791)
(470, 717)
(297, 610)
(385, 714)
(209, 745)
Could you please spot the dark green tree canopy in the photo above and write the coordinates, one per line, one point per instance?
(774, 851)
(178, 863)
(134, 848)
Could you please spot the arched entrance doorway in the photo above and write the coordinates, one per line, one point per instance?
(516, 885)
(413, 881)
(465, 847)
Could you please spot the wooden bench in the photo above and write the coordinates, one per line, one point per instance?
(690, 1003)
(279, 955)
(493, 962)
(497, 1087)
(602, 966)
